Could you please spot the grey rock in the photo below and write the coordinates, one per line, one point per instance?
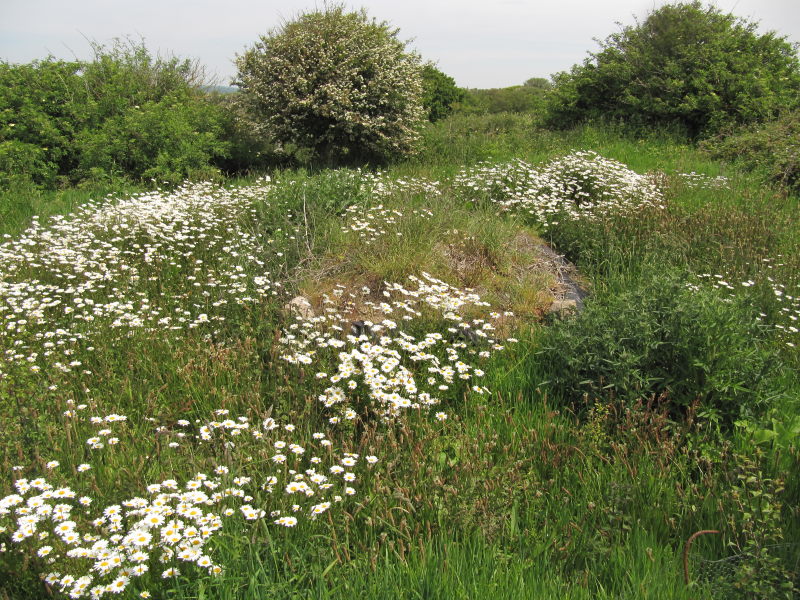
(359, 328)
(570, 295)
(563, 307)
(300, 306)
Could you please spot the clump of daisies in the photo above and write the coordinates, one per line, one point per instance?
(158, 262)
(377, 221)
(89, 552)
(382, 185)
(786, 296)
(701, 181)
(418, 345)
(580, 185)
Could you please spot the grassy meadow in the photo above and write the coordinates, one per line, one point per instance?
(426, 428)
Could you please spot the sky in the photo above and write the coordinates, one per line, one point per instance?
(481, 43)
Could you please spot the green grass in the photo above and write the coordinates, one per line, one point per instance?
(19, 206)
(548, 487)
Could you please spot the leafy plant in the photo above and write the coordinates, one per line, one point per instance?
(756, 535)
(684, 66)
(439, 93)
(334, 87)
(782, 433)
(661, 338)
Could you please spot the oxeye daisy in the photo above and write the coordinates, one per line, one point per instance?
(118, 585)
(286, 521)
(204, 561)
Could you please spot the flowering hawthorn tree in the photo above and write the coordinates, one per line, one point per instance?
(336, 85)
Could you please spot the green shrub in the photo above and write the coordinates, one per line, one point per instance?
(335, 87)
(661, 338)
(248, 150)
(439, 93)
(38, 119)
(24, 164)
(126, 114)
(772, 149)
(146, 117)
(126, 75)
(684, 66)
(168, 140)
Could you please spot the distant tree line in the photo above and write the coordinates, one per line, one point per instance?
(527, 98)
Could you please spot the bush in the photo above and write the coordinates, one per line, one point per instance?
(335, 87)
(685, 67)
(24, 164)
(126, 76)
(126, 114)
(167, 141)
(248, 150)
(147, 117)
(666, 339)
(772, 149)
(39, 115)
(439, 94)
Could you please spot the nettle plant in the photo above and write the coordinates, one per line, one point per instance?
(335, 87)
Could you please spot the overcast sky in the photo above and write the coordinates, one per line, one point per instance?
(481, 43)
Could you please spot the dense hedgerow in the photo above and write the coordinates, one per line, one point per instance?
(125, 114)
(687, 67)
(335, 87)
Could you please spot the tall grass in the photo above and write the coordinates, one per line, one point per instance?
(559, 483)
(19, 205)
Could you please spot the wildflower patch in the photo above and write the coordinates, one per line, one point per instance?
(418, 344)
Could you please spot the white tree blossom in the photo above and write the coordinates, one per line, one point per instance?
(336, 84)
